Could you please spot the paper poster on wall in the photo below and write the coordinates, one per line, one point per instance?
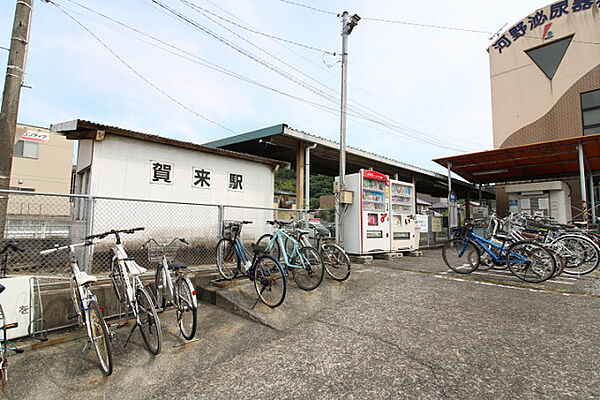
(525, 204)
(436, 224)
(543, 204)
(422, 221)
(513, 205)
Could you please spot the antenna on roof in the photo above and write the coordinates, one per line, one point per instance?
(498, 32)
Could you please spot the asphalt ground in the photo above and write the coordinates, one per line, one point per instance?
(404, 328)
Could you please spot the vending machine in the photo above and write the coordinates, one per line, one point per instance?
(404, 235)
(366, 221)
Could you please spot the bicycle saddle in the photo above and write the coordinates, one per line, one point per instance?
(502, 237)
(177, 265)
(83, 278)
(2, 288)
(134, 268)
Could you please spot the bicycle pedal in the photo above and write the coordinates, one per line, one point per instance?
(72, 315)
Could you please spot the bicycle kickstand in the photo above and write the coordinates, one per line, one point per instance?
(131, 333)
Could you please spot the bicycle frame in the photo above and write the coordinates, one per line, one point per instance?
(278, 236)
(484, 243)
(131, 283)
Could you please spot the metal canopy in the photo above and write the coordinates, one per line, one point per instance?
(552, 159)
(281, 142)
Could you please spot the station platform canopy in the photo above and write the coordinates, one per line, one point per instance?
(283, 143)
(537, 161)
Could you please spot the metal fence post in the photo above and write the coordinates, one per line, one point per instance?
(88, 254)
(220, 219)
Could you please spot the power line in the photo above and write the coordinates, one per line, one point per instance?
(358, 115)
(350, 100)
(436, 141)
(60, 8)
(310, 8)
(198, 8)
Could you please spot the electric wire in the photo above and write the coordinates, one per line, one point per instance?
(134, 71)
(198, 8)
(351, 101)
(434, 141)
(354, 116)
(422, 25)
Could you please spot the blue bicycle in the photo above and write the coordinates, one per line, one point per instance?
(527, 260)
(267, 273)
(304, 262)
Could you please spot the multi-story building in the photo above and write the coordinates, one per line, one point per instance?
(545, 85)
(42, 162)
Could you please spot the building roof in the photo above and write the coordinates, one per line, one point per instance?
(439, 206)
(282, 142)
(551, 159)
(82, 129)
(283, 192)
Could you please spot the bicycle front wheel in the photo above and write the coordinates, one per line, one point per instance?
(460, 256)
(100, 337)
(530, 261)
(187, 310)
(310, 268)
(228, 262)
(149, 322)
(580, 253)
(264, 241)
(269, 281)
(336, 261)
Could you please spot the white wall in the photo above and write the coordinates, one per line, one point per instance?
(122, 167)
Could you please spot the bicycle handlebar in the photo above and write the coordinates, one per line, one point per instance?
(48, 251)
(182, 240)
(13, 247)
(113, 232)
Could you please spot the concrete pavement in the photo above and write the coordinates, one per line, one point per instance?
(396, 329)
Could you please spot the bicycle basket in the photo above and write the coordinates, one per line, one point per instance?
(230, 229)
(155, 253)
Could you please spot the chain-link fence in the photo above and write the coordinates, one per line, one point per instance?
(39, 221)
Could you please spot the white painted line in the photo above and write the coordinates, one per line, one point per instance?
(498, 285)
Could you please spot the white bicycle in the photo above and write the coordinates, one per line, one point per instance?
(87, 310)
(125, 276)
(181, 293)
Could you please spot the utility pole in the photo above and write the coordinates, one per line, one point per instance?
(348, 24)
(15, 72)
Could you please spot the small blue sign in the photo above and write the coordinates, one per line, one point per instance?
(453, 196)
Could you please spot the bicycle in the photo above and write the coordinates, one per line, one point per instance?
(305, 263)
(527, 260)
(264, 270)
(181, 293)
(130, 291)
(14, 248)
(4, 345)
(86, 308)
(335, 259)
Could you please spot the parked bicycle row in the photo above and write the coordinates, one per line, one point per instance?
(287, 251)
(276, 256)
(532, 249)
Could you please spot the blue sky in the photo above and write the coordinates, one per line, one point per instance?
(431, 84)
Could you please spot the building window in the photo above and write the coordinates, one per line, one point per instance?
(590, 111)
(26, 149)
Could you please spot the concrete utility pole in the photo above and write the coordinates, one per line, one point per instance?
(15, 72)
(348, 24)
